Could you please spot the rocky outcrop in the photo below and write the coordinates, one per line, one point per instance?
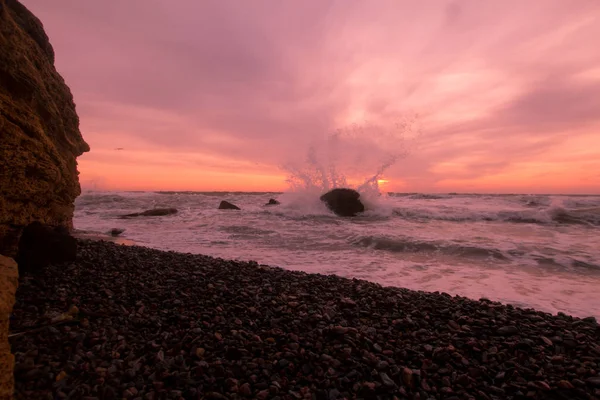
(155, 212)
(8, 287)
(114, 232)
(343, 201)
(272, 202)
(42, 245)
(39, 130)
(225, 205)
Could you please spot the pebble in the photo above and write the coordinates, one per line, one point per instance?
(508, 330)
(594, 381)
(245, 390)
(152, 324)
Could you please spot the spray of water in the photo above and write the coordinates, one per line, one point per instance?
(356, 157)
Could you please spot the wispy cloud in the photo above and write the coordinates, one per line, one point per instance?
(505, 89)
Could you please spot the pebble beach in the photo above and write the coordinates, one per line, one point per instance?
(129, 322)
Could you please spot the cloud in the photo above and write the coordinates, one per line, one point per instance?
(495, 83)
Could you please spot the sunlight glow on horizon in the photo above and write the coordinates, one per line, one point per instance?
(507, 94)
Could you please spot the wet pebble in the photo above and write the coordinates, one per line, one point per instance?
(152, 324)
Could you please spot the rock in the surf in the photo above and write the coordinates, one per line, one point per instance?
(39, 130)
(155, 212)
(41, 245)
(272, 202)
(225, 205)
(343, 201)
(116, 231)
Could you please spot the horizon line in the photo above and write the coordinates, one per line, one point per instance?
(389, 193)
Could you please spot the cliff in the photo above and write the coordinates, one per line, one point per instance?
(8, 288)
(39, 144)
(39, 130)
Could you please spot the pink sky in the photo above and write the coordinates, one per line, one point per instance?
(217, 95)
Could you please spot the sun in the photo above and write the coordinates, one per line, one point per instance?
(382, 181)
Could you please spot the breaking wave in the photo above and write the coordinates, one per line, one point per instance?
(408, 245)
(549, 215)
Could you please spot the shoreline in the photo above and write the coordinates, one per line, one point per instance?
(130, 321)
(96, 236)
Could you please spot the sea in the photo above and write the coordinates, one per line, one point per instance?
(531, 251)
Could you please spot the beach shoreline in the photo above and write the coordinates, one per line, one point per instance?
(96, 236)
(134, 322)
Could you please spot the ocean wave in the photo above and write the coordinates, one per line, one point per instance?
(408, 245)
(535, 201)
(568, 263)
(424, 196)
(246, 230)
(549, 215)
(586, 265)
(87, 199)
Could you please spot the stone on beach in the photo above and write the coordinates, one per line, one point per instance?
(191, 326)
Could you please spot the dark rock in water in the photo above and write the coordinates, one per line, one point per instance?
(116, 231)
(343, 201)
(272, 202)
(155, 212)
(41, 245)
(225, 205)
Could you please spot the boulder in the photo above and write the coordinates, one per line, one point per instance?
(116, 232)
(225, 205)
(9, 279)
(272, 202)
(155, 212)
(343, 202)
(41, 245)
(39, 130)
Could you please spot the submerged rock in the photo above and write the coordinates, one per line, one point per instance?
(272, 202)
(40, 137)
(41, 245)
(225, 205)
(116, 231)
(343, 201)
(155, 212)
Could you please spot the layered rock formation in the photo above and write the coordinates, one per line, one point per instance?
(39, 144)
(8, 287)
(39, 130)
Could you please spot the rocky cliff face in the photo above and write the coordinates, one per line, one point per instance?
(39, 144)
(8, 287)
(39, 130)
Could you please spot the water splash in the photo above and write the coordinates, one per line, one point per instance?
(356, 156)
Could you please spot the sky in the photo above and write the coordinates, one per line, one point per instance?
(494, 96)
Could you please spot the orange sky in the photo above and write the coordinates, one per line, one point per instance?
(216, 95)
